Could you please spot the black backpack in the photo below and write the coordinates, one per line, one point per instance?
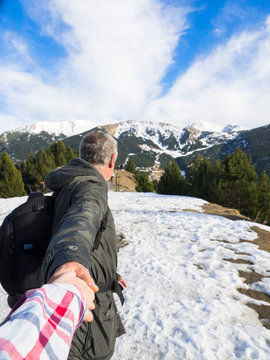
(24, 238)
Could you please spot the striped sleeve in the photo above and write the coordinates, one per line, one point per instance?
(42, 324)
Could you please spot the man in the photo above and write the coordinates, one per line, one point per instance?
(84, 240)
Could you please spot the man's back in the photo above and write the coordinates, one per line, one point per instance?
(80, 207)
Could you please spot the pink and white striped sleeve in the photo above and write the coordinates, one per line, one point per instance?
(42, 324)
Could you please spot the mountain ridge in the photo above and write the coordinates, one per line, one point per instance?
(150, 144)
(66, 128)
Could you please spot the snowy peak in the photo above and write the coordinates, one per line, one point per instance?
(215, 128)
(66, 128)
(233, 128)
(167, 138)
(151, 144)
(19, 142)
(147, 130)
(155, 137)
(142, 129)
(206, 126)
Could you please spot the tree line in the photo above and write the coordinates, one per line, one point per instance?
(29, 175)
(232, 183)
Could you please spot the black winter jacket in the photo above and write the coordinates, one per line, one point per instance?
(80, 206)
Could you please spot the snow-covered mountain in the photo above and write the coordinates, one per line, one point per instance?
(66, 128)
(150, 143)
(165, 137)
(156, 143)
(19, 142)
(187, 297)
(169, 139)
(210, 127)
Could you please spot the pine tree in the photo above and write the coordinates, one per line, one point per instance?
(45, 163)
(263, 199)
(143, 182)
(35, 169)
(238, 183)
(58, 150)
(11, 183)
(29, 173)
(172, 181)
(70, 154)
(131, 166)
(203, 179)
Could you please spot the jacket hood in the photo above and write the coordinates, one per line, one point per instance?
(76, 167)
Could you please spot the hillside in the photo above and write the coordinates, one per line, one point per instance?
(255, 143)
(198, 284)
(122, 181)
(125, 181)
(19, 142)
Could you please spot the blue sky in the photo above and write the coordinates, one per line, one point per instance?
(172, 61)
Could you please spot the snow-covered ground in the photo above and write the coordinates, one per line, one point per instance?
(182, 300)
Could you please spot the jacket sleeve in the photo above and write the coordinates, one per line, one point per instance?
(74, 237)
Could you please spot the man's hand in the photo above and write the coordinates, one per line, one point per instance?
(122, 282)
(79, 269)
(71, 278)
(82, 279)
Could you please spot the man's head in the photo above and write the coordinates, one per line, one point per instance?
(100, 150)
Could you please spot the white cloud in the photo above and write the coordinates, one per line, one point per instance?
(230, 85)
(15, 44)
(118, 52)
(8, 122)
(117, 55)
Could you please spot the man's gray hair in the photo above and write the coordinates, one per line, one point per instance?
(97, 148)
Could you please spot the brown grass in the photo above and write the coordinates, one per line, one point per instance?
(215, 209)
(122, 181)
(263, 312)
(239, 261)
(250, 276)
(263, 243)
(255, 295)
(263, 239)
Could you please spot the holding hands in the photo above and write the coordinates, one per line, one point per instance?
(76, 274)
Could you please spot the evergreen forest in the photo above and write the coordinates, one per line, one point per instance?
(29, 175)
(232, 183)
